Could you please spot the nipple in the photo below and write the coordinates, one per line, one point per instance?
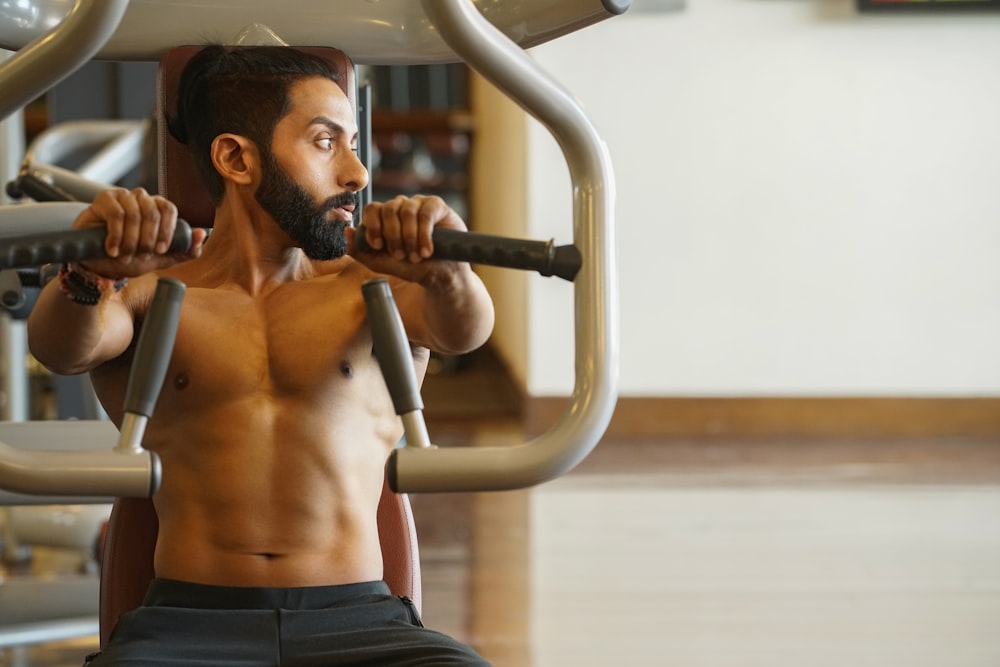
(346, 369)
(181, 381)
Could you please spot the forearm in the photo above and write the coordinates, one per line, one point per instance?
(444, 305)
(70, 338)
(86, 317)
(457, 310)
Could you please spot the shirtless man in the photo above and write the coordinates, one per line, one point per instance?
(274, 423)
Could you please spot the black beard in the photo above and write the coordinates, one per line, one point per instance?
(298, 214)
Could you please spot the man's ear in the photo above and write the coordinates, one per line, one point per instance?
(236, 158)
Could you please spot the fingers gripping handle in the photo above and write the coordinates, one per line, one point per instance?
(544, 257)
(392, 350)
(72, 245)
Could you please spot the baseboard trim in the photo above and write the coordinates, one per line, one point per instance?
(781, 417)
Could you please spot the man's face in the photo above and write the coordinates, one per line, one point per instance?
(307, 222)
(311, 173)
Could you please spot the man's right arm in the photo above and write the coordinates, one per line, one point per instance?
(70, 338)
(86, 316)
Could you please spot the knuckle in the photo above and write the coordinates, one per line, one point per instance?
(166, 205)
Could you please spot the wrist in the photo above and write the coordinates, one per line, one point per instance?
(85, 287)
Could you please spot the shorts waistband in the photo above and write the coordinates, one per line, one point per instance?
(173, 593)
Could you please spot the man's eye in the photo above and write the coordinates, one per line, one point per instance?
(326, 143)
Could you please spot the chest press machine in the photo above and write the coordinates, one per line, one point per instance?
(73, 462)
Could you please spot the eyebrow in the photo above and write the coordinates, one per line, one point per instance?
(333, 126)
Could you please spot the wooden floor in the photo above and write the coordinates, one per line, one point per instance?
(715, 553)
(737, 553)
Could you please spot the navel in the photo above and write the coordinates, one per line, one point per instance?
(181, 381)
(346, 369)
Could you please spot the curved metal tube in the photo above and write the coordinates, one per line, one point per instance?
(55, 55)
(49, 631)
(45, 462)
(114, 148)
(391, 32)
(18, 220)
(71, 462)
(98, 473)
(126, 471)
(581, 426)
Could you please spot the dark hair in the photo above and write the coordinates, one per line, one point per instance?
(240, 90)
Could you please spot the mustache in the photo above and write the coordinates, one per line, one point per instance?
(343, 199)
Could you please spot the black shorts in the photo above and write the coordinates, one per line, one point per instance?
(182, 623)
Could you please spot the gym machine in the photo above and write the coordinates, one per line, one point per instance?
(75, 462)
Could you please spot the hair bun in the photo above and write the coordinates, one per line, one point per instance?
(177, 129)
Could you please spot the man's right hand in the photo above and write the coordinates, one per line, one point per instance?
(140, 227)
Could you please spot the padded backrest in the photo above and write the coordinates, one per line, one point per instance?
(130, 539)
(178, 178)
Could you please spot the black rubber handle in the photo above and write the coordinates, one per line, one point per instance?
(392, 349)
(544, 257)
(30, 185)
(156, 343)
(24, 251)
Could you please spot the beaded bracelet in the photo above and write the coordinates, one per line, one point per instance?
(85, 287)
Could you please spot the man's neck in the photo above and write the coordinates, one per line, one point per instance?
(252, 251)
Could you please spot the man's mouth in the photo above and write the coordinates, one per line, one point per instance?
(343, 206)
(345, 213)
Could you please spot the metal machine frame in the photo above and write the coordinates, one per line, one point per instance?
(92, 24)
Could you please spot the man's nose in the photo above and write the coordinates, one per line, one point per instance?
(352, 174)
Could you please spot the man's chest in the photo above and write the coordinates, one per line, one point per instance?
(296, 341)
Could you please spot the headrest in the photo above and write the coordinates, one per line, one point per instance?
(178, 178)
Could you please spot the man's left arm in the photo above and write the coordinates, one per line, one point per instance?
(444, 304)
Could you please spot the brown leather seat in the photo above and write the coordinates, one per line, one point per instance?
(127, 562)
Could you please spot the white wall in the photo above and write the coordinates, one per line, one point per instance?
(808, 200)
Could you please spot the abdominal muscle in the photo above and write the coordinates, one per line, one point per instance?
(278, 507)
